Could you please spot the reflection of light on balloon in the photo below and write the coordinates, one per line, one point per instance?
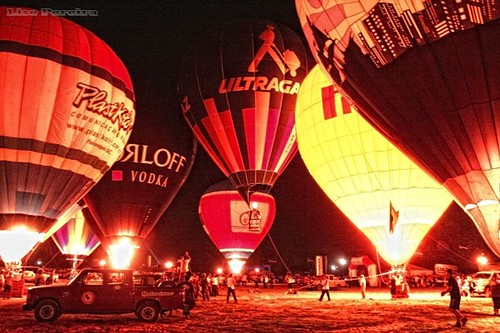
(363, 173)
(15, 243)
(236, 265)
(121, 253)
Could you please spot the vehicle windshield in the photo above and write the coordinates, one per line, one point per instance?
(481, 276)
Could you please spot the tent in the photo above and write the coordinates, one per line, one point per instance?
(414, 270)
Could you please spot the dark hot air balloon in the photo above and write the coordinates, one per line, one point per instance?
(426, 74)
(238, 88)
(128, 202)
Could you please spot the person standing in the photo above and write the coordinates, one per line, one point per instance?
(7, 287)
(455, 297)
(290, 280)
(39, 278)
(231, 288)
(495, 293)
(325, 288)
(2, 281)
(362, 286)
(215, 285)
(184, 265)
(205, 294)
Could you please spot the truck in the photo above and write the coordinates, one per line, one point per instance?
(481, 283)
(334, 282)
(109, 291)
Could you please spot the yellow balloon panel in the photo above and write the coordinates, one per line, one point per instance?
(363, 173)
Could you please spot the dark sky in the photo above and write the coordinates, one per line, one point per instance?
(151, 38)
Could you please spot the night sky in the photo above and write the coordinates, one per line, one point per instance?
(151, 38)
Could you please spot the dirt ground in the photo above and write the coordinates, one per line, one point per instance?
(272, 310)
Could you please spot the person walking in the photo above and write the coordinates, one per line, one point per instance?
(455, 297)
(325, 288)
(495, 293)
(231, 288)
(362, 285)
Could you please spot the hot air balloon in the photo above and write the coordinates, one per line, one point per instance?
(387, 196)
(234, 228)
(238, 88)
(126, 205)
(75, 238)
(426, 75)
(66, 112)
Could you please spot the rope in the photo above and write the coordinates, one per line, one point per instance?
(277, 252)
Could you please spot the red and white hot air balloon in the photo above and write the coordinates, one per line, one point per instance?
(234, 228)
(66, 111)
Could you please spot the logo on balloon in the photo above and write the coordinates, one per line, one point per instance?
(286, 62)
(96, 103)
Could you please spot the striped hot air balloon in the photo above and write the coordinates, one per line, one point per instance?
(238, 88)
(66, 112)
(75, 238)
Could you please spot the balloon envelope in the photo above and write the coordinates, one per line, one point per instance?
(366, 176)
(238, 89)
(234, 227)
(428, 78)
(75, 238)
(130, 199)
(66, 112)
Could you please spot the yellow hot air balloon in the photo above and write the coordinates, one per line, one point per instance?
(391, 200)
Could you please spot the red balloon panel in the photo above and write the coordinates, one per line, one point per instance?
(226, 218)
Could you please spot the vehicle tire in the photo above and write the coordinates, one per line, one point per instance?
(148, 312)
(47, 310)
(168, 284)
(487, 292)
